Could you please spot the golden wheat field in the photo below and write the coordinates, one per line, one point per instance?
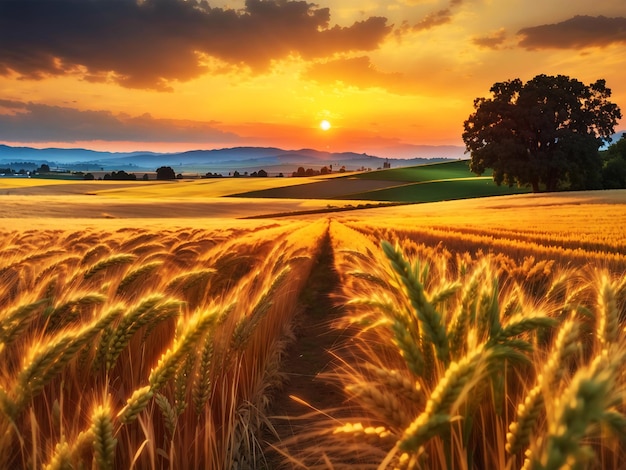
(475, 334)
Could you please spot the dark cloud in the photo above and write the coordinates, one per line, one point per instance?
(148, 43)
(32, 122)
(575, 33)
(357, 71)
(437, 18)
(492, 41)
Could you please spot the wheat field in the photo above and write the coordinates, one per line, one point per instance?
(491, 342)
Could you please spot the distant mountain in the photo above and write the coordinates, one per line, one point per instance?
(218, 160)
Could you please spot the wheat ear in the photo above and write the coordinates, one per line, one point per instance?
(135, 404)
(202, 386)
(379, 401)
(399, 383)
(583, 404)
(608, 313)
(148, 311)
(65, 313)
(170, 360)
(430, 320)
(15, 321)
(111, 261)
(61, 459)
(103, 441)
(528, 412)
(169, 413)
(245, 328)
(130, 278)
(465, 313)
(452, 388)
(370, 434)
(46, 361)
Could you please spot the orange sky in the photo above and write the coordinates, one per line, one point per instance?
(169, 75)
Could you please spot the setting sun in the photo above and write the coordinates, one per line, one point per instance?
(325, 125)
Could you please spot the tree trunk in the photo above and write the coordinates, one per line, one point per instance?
(535, 186)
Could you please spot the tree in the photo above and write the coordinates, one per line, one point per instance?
(614, 165)
(165, 173)
(44, 168)
(544, 133)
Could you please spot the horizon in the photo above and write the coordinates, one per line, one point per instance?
(335, 76)
(185, 149)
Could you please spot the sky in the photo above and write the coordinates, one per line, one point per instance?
(388, 76)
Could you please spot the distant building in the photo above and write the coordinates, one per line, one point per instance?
(386, 164)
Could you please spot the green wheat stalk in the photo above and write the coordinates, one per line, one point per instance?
(430, 320)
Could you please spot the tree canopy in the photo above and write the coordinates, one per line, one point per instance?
(614, 168)
(165, 173)
(544, 133)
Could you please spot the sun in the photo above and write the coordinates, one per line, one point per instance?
(325, 125)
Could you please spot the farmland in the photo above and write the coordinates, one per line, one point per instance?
(462, 334)
(423, 183)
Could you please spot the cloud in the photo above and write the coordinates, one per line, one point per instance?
(491, 41)
(146, 44)
(437, 18)
(575, 33)
(356, 71)
(32, 122)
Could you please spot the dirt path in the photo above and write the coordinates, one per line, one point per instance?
(309, 355)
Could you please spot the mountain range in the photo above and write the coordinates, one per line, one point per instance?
(270, 159)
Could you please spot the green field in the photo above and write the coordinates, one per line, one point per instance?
(423, 183)
(428, 172)
(433, 191)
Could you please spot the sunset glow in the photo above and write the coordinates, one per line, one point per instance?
(389, 76)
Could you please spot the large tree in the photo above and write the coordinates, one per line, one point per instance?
(544, 133)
